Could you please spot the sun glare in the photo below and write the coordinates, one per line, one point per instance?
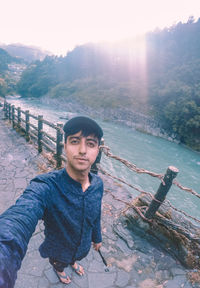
(60, 25)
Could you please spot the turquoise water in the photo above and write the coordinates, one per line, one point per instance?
(145, 151)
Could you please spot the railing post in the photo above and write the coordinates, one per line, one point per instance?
(94, 168)
(160, 195)
(4, 105)
(59, 144)
(19, 117)
(9, 112)
(27, 125)
(13, 116)
(40, 128)
(5, 109)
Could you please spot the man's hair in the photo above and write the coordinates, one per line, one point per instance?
(86, 125)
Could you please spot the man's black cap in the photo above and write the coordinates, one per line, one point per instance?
(85, 124)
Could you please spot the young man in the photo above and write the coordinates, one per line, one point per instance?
(69, 202)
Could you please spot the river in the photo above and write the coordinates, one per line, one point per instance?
(145, 151)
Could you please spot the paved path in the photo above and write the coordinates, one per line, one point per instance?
(135, 263)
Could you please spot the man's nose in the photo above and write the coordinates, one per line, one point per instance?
(82, 147)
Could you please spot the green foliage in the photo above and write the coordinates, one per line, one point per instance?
(38, 78)
(5, 58)
(99, 93)
(162, 76)
(7, 83)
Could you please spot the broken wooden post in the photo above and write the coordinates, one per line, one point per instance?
(59, 145)
(160, 195)
(40, 128)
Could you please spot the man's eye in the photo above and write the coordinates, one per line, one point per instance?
(74, 141)
(91, 144)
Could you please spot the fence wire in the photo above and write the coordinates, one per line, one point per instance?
(133, 167)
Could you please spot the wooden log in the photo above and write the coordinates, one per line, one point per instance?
(172, 230)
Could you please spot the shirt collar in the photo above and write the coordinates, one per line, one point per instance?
(71, 180)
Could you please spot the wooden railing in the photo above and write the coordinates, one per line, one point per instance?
(33, 127)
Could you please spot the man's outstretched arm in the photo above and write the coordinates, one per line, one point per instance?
(17, 225)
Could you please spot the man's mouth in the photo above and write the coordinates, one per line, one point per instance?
(81, 159)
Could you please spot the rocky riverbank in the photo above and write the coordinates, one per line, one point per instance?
(124, 116)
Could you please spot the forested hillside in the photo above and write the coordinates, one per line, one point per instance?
(8, 75)
(157, 76)
(27, 53)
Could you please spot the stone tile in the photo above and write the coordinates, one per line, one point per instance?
(148, 283)
(80, 281)
(189, 285)
(33, 264)
(34, 243)
(96, 266)
(43, 283)
(122, 279)
(21, 173)
(163, 275)
(59, 286)
(20, 183)
(178, 271)
(85, 263)
(178, 281)
(26, 281)
(51, 276)
(101, 280)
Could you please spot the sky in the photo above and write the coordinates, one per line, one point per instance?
(60, 25)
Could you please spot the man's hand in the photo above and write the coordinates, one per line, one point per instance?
(97, 246)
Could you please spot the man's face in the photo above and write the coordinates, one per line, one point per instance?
(81, 152)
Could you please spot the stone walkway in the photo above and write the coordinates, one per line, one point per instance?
(135, 262)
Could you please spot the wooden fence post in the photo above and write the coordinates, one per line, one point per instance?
(19, 117)
(13, 116)
(5, 110)
(9, 112)
(27, 125)
(59, 145)
(40, 128)
(160, 195)
(94, 168)
(4, 105)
